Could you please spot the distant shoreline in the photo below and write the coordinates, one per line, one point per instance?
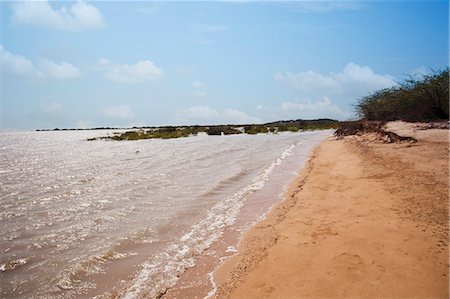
(297, 122)
(170, 132)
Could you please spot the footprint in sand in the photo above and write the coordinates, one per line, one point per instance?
(349, 261)
(323, 231)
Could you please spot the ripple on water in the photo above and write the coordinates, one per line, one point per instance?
(72, 209)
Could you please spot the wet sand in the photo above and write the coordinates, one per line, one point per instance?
(364, 219)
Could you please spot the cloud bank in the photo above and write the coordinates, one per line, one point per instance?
(17, 65)
(140, 72)
(63, 70)
(78, 17)
(204, 114)
(45, 68)
(353, 80)
(307, 109)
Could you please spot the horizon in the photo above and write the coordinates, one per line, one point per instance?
(168, 126)
(90, 64)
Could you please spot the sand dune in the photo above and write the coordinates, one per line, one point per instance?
(365, 219)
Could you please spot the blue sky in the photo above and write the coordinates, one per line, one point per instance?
(110, 63)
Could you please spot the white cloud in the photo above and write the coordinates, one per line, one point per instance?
(141, 72)
(309, 81)
(84, 124)
(198, 89)
(121, 112)
(17, 65)
(308, 109)
(197, 84)
(45, 68)
(63, 70)
(353, 80)
(363, 78)
(204, 114)
(79, 16)
(239, 117)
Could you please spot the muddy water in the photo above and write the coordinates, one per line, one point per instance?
(108, 218)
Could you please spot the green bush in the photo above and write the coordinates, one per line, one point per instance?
(415, 99)
(289, 128)
(185, 131)
(226, 130)
(255, 129)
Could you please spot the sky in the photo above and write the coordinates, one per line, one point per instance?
(86, 64)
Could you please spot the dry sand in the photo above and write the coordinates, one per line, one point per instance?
(364, 220)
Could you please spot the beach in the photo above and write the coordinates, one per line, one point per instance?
(363, 219)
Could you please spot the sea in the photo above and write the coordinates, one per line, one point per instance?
(126, 219)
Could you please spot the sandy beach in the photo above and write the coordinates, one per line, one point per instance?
(365, 219)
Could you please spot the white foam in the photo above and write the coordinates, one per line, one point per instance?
(164, 269)
(231, 249)
(13, 264)
(213, 290)
(100, 194)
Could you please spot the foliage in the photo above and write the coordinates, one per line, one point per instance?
(303, 125)
(163, 133)
(226, 130)
(289, 128)
(185, 131)
(358, 127)
(255, 129)
(415, 99)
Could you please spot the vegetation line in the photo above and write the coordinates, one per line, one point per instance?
(186, 131)
(416, 100)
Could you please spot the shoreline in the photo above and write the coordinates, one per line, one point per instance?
(197, 281)
(258, 239)
(339, 239)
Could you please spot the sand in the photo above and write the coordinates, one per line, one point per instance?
(364, 220)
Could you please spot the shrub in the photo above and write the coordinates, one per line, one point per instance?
(226, 130)
(255, 129)
(415, 99)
